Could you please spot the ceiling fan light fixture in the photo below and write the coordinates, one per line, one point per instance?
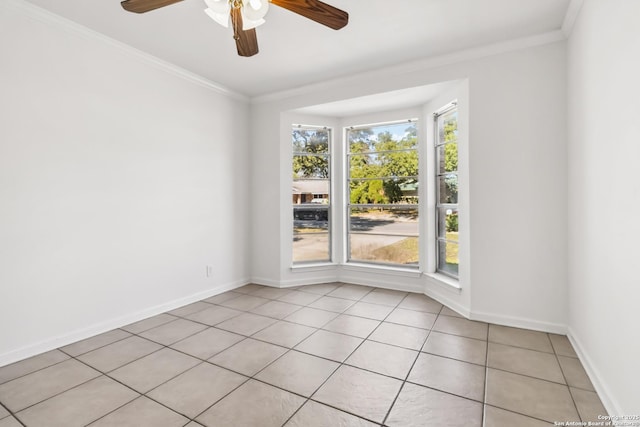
(220, 18)
(255, 10)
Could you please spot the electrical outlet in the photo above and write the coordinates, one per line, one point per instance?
(209, 270)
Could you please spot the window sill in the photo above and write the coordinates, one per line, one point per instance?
(383, 269)
(313, 266)
(445, 282)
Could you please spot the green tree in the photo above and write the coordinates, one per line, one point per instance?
(310, 149)
(379, 157)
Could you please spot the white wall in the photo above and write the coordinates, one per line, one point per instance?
(119, 183)
(604, 197)
(517, 158)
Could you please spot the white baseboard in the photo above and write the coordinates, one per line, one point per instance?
(98, 328)
(604, 392)
(519, 322)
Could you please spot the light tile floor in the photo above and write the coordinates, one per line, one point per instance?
(318, 355)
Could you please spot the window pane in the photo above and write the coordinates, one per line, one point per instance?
(390, 220)
(311, 247)
(448, 127)
(384, 235)
(310, 166)
(384, 249)
(448, 257)
(311, 195)
(396, 136)
(387, 191)
(447, 158)
(317, 213)
(310, 140)
(448, 224)
(448, 188)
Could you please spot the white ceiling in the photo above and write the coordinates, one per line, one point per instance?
(295, 51)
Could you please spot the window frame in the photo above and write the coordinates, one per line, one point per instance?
(328, 206)
(346, 179)
(436, 175)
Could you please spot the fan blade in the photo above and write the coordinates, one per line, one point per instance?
(246, 41)
(141, 6)
(317, 11)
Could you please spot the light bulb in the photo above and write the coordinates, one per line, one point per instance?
(218, 6)
(255, 10)
(219, 11)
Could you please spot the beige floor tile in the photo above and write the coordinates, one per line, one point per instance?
(142, 412)
(97, 341)
(446, 311)
(276, 309)
(420, 302)
(321, 289)
(189, 309)
(370, 311)
(461, 327)
(311, 317)
(529, 396)
(284, 333)
(359, 392)
(32, 364)
(352, 325)
(3, 412)
(574, 373)
(247, 289)
(248, 357)
(496, 417)
(329, 345)
(220, 298)
(337, 305)
(300, 298)
(589, 404)
(526, 362)
(45, 383)
(298, 372)
(418, 406)
(172, 332)
(417, 319)
(352, 292)
(314, 414)
(151, 322)
(533, 340)
(9, 422)
(562, 346)
(79, 406)
(245, 302)
(384, 297)
(213, 315)
(383, 358)
(207, 343)
(152, 370)
(195, 390)
(400, 335)
(271, 293)
(119, 353)
(452, 376)
(456, 347)
(252, 404)
(246, 324)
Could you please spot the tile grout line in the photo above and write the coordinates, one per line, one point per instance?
(575, 405)
(340, 364)
(486, 379)
(404, 382)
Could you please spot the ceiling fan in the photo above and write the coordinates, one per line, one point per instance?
(246, 15)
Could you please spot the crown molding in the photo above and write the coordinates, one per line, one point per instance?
(419, 65)
(37, 13)
(571, 16)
